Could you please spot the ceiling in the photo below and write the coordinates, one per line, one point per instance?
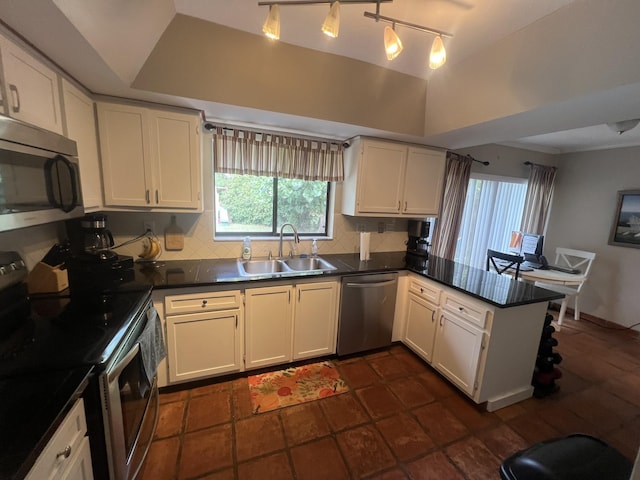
(111, 39)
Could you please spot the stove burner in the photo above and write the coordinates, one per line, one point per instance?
(18, 341)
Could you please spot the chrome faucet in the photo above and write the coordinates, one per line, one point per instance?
(296, 238)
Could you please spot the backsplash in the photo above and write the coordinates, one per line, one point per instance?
(199, 243)
(32, 243)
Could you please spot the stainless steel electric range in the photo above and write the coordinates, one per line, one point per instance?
(99, 341)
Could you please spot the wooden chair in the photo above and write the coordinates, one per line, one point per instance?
(575, 259)
(507, 262)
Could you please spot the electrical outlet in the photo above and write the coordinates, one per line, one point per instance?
(149, 225)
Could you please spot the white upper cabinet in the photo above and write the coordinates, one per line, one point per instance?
(150, 158)
(31, 88)
(389, 179)
(80, 125)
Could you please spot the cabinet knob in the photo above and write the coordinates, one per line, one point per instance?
(421, 290)
(65, 453)
(204, 303)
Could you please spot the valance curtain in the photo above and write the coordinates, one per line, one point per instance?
(272, 155)
(538, 200)
(445, 236)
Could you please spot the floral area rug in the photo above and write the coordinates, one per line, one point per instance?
(294, 386)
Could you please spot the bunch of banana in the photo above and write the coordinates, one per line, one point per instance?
(151, 249)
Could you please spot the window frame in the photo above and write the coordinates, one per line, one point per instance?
(275, 233)
(493, 178)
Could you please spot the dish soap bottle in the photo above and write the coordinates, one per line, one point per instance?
(246, 249)
(314, 248)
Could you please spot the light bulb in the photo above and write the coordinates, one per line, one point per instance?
(331, 23)
(438, 55)
(392, 43)
(271, 27)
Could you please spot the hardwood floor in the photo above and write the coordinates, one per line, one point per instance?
(400, 420)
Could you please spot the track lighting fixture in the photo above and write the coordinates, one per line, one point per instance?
(331, 24)
(438, 55)
(271, 27)
(392, 43)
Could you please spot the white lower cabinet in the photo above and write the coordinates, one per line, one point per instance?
(488, 352)
(420, 326)
(290, 322)
(268, 325)
(315, 320)
(204, 333)
(457, 352)
(67, 456)
(420, 315)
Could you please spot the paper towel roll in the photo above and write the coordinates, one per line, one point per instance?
(364, 245)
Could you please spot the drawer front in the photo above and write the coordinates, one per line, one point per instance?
(61, 449)
(468, 310)
(202, 302)
(425, 291)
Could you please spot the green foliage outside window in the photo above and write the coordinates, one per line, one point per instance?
(249, 204)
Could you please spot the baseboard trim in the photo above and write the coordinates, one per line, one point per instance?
(592, 318)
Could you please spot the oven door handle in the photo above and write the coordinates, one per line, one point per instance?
(122, 364)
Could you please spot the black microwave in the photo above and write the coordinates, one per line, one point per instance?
(39, 176)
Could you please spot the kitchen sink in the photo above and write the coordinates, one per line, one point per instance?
(261, 267)
(309, 263)
(283, 267)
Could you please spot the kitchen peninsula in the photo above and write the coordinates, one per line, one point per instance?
(478, 329)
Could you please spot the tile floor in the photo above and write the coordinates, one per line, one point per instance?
(400, 420)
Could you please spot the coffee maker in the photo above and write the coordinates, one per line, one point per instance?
(94, 267)
(418, 243)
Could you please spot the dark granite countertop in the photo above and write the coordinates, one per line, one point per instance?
(31, 409)
(500, 291)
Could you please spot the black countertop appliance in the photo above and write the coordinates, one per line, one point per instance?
(94, 268)
(418, 243)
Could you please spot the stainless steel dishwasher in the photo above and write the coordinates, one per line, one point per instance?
(367, 307)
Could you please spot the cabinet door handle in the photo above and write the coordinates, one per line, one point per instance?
(157, 197)
(299, 293)
(66, 453)
(146, 196)
(405, 206)
(236, 321)
(433, 315)
(399, 205)
(15, 95)
(441, 318)
(289, 296)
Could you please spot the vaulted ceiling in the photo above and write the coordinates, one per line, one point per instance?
(539, 75)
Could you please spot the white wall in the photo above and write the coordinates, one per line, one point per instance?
(581, 217)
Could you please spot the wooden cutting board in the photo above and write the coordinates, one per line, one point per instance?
(173, 236)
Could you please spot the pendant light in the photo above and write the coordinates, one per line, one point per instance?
(271, 27)
(331, 23)
(438, 55)
(392, 43)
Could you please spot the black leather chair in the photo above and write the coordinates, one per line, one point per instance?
(506, 262)
(575, 457)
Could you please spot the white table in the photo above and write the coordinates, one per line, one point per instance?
(552, 276)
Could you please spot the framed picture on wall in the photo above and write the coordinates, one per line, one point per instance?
(625, 230)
